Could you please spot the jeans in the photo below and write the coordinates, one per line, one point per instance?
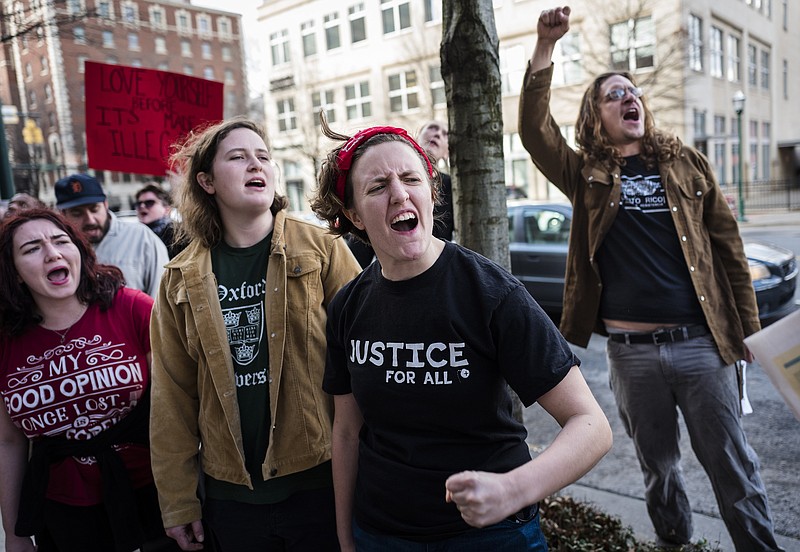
(649, 381)
(304, 522)
(506, 536)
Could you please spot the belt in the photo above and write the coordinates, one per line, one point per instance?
(669, 335)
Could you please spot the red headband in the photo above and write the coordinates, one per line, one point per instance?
(345, 156)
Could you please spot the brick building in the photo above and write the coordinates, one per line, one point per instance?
(45, 44)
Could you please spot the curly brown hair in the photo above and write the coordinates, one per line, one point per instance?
(593, 142)
(200, 218)
(98, 284)
(327, 205)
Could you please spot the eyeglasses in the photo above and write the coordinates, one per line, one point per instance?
(616, 94)
(146, 203)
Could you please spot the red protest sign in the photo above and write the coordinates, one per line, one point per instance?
(133, 115)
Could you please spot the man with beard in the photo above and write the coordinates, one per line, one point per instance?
(132, 247)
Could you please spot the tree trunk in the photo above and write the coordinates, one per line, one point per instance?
(471, 72)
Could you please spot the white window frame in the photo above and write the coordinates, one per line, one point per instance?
(357, 14)
(568, 62)
(407, 91)
(323, 99)
(400, 15)
(734, 72)
(308, 35)
(160, 45)
(287, 116)
(695, 28)
(632, 38)
(512, 69)
(330, 24)
(716, 53)
(279, 47)
(360, 103)
(108, 39)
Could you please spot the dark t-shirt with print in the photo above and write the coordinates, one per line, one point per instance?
(427, 360)
(642, 266)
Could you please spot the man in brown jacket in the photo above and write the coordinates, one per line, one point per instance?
(657, 264)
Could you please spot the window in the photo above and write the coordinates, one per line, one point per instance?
(48, 93)
(357, 101)
(204, 25)
(720, 148)
(633, 44)
(438, 95)
(208, 72)
(323, 100)
(331, 23)
(161, 45)
(158, 17)
(766, 131)
(512, 69)
(287, 118)
(544, 226)
(765, 69)
(752, 65)
(516, 162)
(186, 48)
(112, 60)
(396, 15)
(226, 53)
(74, 7)
(162, 66)
(133, 42)
(358, 25)
(231, 101)
(734, 61)
(45, 65)
(403, 92)
(308, 32)
(568, 69)
(104, 10)
(224, 28)
(28, 71)
(32, 99)
(82, 64)
(129, 13)
(753, 150)
(108, 39)
(717, 56)
(188, 69)
(205, 50)
(229, 78)
(433, 10)
(695, 43)
(699, 117)
(785, 79)
(183, 21)
(136, 62)
(279, 45)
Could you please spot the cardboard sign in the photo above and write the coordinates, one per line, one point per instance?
(777, 349)
(134, 115)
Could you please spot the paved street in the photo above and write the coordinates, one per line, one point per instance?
(772, 431)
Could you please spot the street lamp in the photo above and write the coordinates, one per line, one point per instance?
(738, 107)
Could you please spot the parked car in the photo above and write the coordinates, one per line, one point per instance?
(539, 233)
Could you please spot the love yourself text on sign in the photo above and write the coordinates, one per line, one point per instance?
(134, 115)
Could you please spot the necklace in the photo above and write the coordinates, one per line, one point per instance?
(62, 335)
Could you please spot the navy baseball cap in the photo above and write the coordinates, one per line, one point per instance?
(78, 189)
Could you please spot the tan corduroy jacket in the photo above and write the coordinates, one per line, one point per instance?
(195, 414)
(704, 223)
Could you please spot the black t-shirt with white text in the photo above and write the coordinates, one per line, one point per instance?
(427, 360)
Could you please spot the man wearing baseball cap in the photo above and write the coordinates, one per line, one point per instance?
(132, 247)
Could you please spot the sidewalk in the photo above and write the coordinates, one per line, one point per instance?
(632, 512)
(778, 218)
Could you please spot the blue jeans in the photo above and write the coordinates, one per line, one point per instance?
(506, 536)
(650, 382)
(304, 522)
